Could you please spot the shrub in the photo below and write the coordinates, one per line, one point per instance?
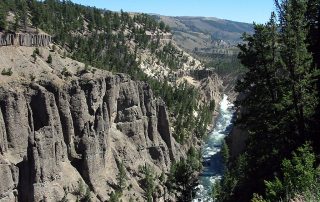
(36, 51)
(49, 60)
(87, 68)
(64, 55)
(65, 72)
(7, 72)
(81, 188)
(87, 196)
(114, 197)
(32, 77)
(34, 56)
(54, 48)
(300, 177)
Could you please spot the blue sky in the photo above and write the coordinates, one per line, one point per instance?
(237, 10)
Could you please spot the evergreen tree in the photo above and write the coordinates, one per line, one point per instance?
(279, 98)
(35, 10)
(22, 14)
(300, 177)
(313, 19)
(263, 89)
(297, 62)
(3, 16)
(162, 26)
(149, 182)
(121, 177)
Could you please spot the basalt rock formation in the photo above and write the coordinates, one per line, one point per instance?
(20, 39)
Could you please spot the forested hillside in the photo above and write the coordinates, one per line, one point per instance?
(279, 110)
(99, 37)
(212, 40)
(115, 42)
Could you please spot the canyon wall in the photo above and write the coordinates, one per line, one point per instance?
(54, 136)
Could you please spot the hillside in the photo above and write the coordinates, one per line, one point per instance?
(211, 40)
(206, 34)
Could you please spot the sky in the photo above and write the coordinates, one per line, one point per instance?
(237, 10)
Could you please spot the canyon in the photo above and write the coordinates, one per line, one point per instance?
(59, 130)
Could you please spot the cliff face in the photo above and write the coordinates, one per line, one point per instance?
(20, 39)
(53, 135)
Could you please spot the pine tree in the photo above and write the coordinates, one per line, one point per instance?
(299, 177)
(35, 10)
(3, 16)
(23, 13)
(162, 26)
(260, 83)
(149, 181)
(313, 17)
(262, 91)
(297, 61)
(121, 177)
(279, 96)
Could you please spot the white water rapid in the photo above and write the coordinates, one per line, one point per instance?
(212, 159)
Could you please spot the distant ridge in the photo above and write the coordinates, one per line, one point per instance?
(205, 33)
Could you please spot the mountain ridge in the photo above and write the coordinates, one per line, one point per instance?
(206, 34)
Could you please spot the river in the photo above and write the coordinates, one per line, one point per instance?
(212, 159)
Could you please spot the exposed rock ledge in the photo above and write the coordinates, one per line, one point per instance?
(21, 39)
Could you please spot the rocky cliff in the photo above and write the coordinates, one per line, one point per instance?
(58, 132)
(21, 39)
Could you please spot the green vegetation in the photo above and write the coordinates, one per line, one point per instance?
(148, 181)
(87, 196)
(225, 152)
(185, 122)
(49, 60)
(181, 178)
(299, 177)
(121, 177)
(36, 51)
(3, 15)
(7, 72)
(223, 64)
(121, 183)
(113, 41)
(83, 193)
(34, 54)
(281, 99)
(171, 57)
(66, 72)
(105, 44)
(114, 197)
